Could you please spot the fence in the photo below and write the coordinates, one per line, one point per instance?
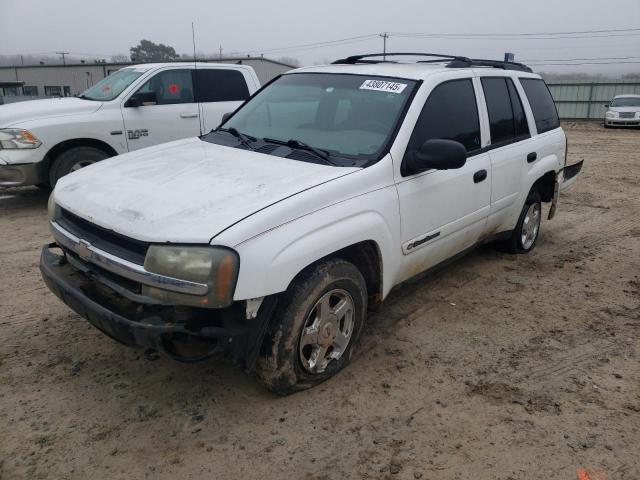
(586, 100)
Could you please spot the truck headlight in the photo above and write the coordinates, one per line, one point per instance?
(53, 210)
(216, 267)
(16, 138)
(610, 114)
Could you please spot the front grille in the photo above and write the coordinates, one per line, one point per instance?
(102, 238)
(627, 114)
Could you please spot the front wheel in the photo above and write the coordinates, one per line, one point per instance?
(525, 235)
(74, 159)
(314, 329)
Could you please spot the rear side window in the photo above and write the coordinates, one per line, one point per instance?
(450, 113)
(506, 115)
(218, 85)
(541, 101)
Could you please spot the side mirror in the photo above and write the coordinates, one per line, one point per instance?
(438, 154)
(139, 99)
(225, 117)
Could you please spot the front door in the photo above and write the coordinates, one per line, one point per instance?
(168, 113)
(444, 212)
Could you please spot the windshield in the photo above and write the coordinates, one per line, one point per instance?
(352, 116)
(625, 102)
(110, 87)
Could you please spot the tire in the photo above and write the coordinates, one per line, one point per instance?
(74, 159)
(518, 242)
(298, 329)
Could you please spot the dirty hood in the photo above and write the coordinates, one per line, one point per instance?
(14, 114)
(186, 191)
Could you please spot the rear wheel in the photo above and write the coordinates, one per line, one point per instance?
(314, 329)
(74, 159)
(525, 235)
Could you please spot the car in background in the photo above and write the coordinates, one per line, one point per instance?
(623, 111)
(135, 107)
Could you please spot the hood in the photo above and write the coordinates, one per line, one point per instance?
(186, 191)
(15, 113)
(624, 109)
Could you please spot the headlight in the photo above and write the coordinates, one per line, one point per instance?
(216, 267)
(15, 138)
(610, 114)
(52, 208)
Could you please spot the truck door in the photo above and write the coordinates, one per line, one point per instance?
(444, 212)
(161, 110)
(218, 91)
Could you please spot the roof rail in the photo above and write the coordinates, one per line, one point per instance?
(366, 58)
(455, 61)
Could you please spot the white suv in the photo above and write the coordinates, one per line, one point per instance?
(133, 108)
(272, 236)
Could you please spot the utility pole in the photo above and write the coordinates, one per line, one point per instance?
(64, 62)
(384, 45)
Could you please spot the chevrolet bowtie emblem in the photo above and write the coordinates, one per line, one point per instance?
(83, 249)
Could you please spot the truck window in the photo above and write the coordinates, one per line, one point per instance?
(507, 120)
(542, 104)
(171, 87)
(450, 113)
(219, 85)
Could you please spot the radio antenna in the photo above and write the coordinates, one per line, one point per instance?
(196, 94)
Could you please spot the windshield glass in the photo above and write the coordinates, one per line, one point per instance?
(626, 102)
(345, 115)
(110, 87)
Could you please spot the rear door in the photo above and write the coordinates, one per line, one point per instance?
(218, 91)
(171, 112)
(511, 147)
(444, 211)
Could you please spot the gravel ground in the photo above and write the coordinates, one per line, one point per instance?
(498, 367)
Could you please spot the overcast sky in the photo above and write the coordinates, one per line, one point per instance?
(261, 26)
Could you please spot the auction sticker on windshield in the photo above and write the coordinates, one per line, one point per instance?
(383, 86)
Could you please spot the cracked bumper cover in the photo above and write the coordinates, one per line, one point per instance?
(236, 334)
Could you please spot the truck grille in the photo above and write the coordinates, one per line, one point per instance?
(627, 114)
(104, 239)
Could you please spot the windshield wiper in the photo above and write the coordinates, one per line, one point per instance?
(297, 144)
(244, 139)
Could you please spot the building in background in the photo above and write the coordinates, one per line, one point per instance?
(73, 79)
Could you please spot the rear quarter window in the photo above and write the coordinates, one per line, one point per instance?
(542, 104)
(219, 85)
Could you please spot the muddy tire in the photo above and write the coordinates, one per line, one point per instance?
(525, 235)
(74, 159)
(314, 329)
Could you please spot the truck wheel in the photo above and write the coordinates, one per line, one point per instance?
(314, 328)
(74, 159)
(525, 235)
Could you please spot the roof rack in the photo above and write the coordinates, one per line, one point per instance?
(455, 61)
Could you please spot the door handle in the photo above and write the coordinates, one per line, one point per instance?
(479, 176)
(188, 115)
(532, 157)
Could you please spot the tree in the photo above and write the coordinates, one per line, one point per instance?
(294, 62)
(147, 51)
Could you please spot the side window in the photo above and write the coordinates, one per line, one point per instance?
(501, 122)
(519, 117)
(451, 113)
(170, 87)
(542, 104)
(218, 85)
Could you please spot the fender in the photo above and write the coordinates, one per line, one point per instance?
(270, 261)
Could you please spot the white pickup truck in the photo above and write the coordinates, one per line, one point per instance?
(272, 236)
(135, 107)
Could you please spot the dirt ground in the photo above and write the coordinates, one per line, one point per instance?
(499, 367)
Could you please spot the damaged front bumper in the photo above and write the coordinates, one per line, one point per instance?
(183, 333)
